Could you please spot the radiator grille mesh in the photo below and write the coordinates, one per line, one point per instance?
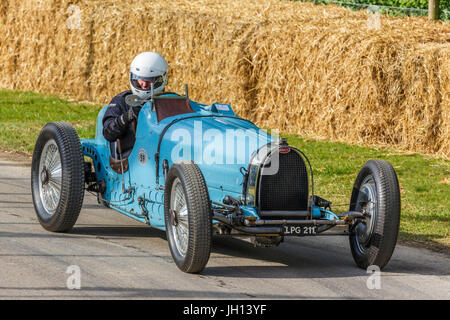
(288, 188)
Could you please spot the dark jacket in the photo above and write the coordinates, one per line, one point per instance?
(113, 128)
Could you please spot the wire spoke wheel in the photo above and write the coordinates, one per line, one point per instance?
(50, 177)
(187, 214)
(57, 177)
(180, 212)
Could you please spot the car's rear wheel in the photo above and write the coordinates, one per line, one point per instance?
(57, 177)
(376, 193)
(187, 214)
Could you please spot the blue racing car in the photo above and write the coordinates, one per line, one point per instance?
(196, 170)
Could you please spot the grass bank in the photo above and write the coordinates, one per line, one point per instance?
(424, 181)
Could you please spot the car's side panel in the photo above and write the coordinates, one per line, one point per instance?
(135, 181)
(220, 143)
(148, 196)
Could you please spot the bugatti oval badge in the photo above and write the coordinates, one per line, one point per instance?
(284, 149)
(142, 156)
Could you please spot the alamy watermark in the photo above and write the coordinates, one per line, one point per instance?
(374, 280)
(74, 280)
(74, 20)
(212, 146)
(374, 20)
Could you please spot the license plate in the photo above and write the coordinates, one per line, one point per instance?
(299, 230)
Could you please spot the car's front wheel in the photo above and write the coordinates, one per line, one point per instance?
(57, 177)
(376, 194)
(188, 215)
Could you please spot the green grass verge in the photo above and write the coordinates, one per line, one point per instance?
(424, 181)
(23, 114)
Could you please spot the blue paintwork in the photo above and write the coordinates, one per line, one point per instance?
(221, 178)
(320, 213)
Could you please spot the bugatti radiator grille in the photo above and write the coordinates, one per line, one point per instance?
(286, 190)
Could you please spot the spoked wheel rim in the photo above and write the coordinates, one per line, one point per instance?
(50, 177)
(366, 203)
(179, 217)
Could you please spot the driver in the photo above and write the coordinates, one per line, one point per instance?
(146, 68)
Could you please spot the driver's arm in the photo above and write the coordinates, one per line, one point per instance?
(114, 125)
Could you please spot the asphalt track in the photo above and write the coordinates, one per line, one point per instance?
(119, 258)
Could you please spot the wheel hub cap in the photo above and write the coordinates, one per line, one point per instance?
(50, 177)
(44, 176)
(179, 217)
(173, 218)
(366, 203)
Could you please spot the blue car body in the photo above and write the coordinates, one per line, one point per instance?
(144, 181)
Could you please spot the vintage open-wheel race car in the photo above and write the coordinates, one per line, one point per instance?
(196, 170)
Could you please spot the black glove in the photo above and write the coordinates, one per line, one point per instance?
(127, 117)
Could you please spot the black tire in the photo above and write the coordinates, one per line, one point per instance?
(60, 213)
(191, 255)
(376, 190)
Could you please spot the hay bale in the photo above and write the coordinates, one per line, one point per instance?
(321, 71)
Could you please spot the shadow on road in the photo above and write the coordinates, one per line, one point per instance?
(119, 231)
(298, 259)
(307, 260)
(133, 292)
(237, 258)
(15, 164)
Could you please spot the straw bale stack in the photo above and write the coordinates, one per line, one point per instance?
(321, 71)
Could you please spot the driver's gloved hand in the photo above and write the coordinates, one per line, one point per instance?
(127, 117)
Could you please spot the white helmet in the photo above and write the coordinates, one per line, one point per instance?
(148, 66)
